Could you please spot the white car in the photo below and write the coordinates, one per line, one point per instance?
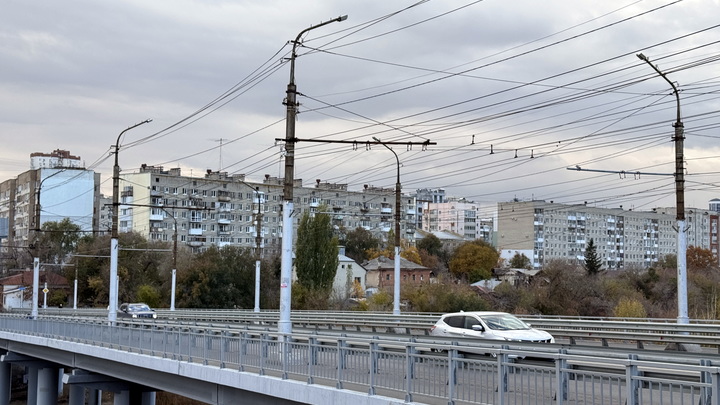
(488, 325)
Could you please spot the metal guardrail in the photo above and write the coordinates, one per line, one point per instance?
(575, 330)
(407, 368)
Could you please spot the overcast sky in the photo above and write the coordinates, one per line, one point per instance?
(512, 92)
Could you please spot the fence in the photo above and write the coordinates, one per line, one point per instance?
(417, 370)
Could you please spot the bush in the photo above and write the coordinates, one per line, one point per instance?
(149, 295)
(629, 308)
(443, 298)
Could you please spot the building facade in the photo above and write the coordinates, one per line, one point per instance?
(221, 209)
(544, 231)
(471, 219)
(49, 193)
(43, 195)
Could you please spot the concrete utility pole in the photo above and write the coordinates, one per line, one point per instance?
(682, 229)
(112, 307)
(284, 323)
(258, 247)
(396, 277)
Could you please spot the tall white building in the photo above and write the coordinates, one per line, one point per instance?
(56, 191)
(543, 231)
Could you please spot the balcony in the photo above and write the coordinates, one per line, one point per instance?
(224, 221)
(224, 198)
(195, 243)
(195, 231)
(157, 217)
(386, 210)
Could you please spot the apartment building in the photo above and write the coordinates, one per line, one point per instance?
(221, 209)
(471, 219)
(57, 190)
(544, 231)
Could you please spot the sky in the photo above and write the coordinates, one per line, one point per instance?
(508, 94)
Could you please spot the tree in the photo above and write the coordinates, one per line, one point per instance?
(700, 259)
(593, 265)
(411, 253)
(140, 262)
(57, 241)
(358, 243)
(520, 261)
(316, 253)
(473, 261)
(431, 244)
(218, 278)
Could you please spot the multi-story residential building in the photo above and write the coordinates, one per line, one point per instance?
(55, 159)
(221, 209)
(471, 219)
(50, 193)
(543, 231)
(424, 197)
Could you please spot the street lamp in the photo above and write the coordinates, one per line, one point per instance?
(174, 267)
(112, 307)
(679, 138)
(258, 242)
(284, 324)
(396, 284)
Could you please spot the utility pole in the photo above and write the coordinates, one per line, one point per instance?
(679, 138)
(258, 247)
(284, 323)
(113, 296)
(396, 281)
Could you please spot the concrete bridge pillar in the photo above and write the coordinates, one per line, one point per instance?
(42, 378)
(5, 382)
(31, 375)
(77, 395)
(47, 386)
(94, 396)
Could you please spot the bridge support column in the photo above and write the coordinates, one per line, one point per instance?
(47, 386)
(77, 395)
(5, 382)
(31, 374)
(134, 396)
(148, 398)
(94, 397)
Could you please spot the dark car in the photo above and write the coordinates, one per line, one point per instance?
(137, 310)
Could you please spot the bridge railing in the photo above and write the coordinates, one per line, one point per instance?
(417, 369)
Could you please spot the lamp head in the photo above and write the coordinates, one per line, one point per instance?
(642, 57)
(342, 18)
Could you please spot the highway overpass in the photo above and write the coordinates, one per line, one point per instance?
(232, 363)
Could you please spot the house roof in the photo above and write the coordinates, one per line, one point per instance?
(385, 263)
(25, 278)
(442, 235)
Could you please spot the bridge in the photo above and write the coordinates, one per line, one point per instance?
(236, 357)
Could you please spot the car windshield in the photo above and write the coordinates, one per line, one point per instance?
(504, 322)
(138, 307)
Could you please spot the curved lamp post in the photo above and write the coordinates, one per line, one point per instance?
(679, 138)
(284, 323)
(396, 281)
(112, 307)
